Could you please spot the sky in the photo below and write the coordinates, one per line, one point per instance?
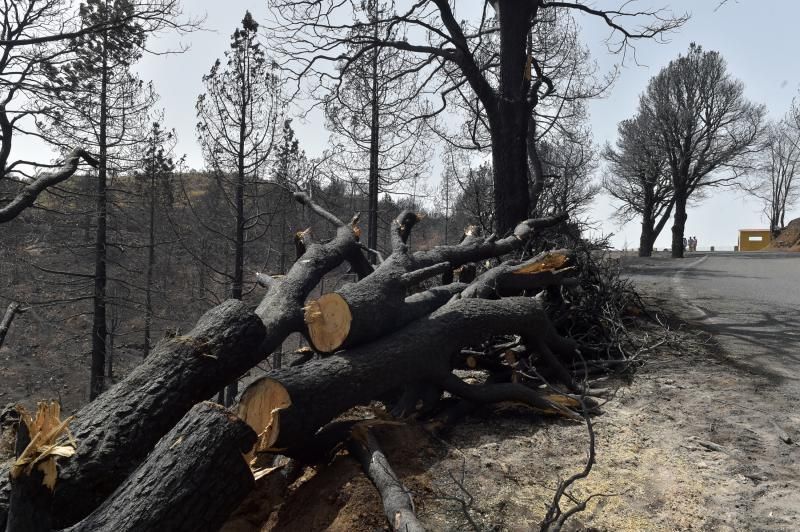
(755, 37)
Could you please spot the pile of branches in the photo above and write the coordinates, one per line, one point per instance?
(149, 453)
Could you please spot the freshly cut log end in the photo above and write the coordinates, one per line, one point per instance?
(260, 407)
(328, 319)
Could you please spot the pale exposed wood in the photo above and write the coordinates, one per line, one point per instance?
(328, 319)
(260, 408)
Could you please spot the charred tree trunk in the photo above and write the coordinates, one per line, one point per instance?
(398, 506)
(647, 239)
(509, 120)
(192, 481)
(421, 351)
(679, 224)
(117, 431)
(374, 144)
(151, 259)
(99, 325)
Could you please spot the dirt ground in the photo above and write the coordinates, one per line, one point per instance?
(681, 446)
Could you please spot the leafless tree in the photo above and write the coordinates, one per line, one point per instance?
(36, 38)
(706, 127)
(484, 57)
(378, 138)
(638, 177)
(775, 183)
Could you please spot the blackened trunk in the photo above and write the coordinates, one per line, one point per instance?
(646, 240)
(31, 501)
(5, 324)
(192, 481)
(374, 146)
(151, 258)
(99, 326)
(509, 120)
(647, 237)
(679, 225)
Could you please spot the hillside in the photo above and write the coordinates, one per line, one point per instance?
(789, 238)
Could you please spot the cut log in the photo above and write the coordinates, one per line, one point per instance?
(419, 352)
(192, 481)
(360, 312)
(513, 277)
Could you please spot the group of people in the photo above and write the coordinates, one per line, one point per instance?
(690, 244)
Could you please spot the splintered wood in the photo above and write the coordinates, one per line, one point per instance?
(260, 408)
(328, 319)
(552, 261)
(46, 446)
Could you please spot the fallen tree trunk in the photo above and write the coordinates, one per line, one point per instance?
(118, 429)
(359, 312)
(192, 481)
(421, 351)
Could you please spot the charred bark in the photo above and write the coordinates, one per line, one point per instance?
(679, 225)
(362, 311)
(192, 481)
(421, 351)
(116, 431)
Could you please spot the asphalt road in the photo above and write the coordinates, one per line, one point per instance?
(744, 396)
(750, 302)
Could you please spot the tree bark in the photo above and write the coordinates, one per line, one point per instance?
(374, 144)
(151, 259)
(509, 120)
(192, 481)
(398, 506)
(421, 351)
(647, 238)
(679, 225)
(117, 430)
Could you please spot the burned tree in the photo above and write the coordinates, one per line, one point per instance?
(778, 167)
(707, 130)
(638, 177)
(486, 57)
(31, 46)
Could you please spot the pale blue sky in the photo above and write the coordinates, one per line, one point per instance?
(758, 39)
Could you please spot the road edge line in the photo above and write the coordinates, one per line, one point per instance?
(680, 289)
